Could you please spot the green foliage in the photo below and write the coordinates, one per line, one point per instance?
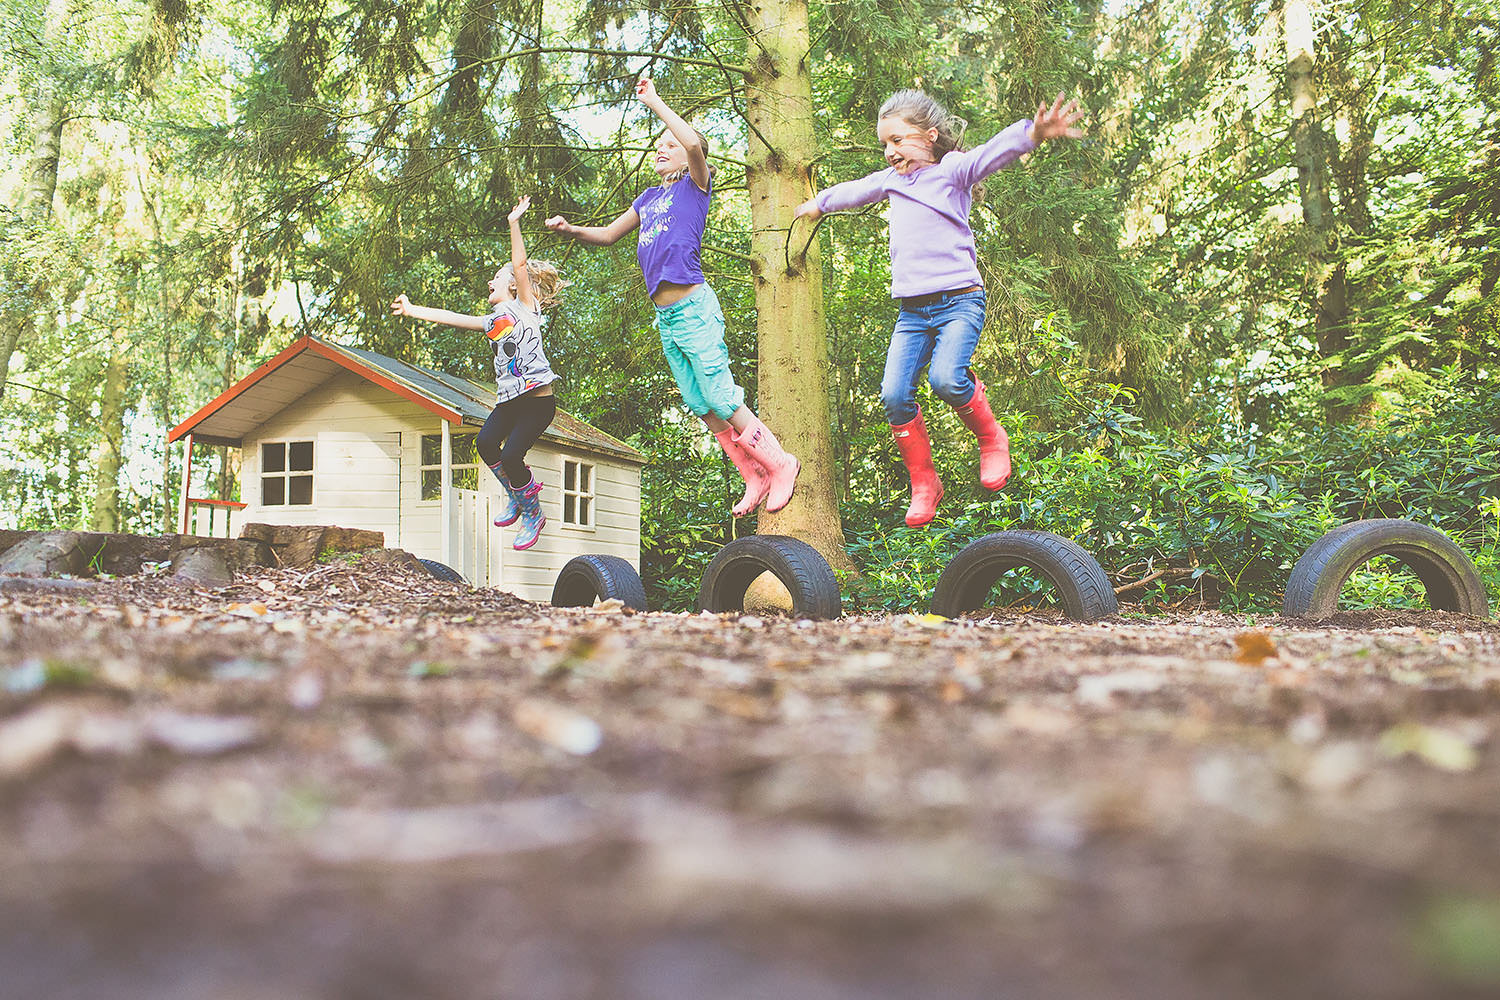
(684, 511)
(235, 173)
(1220, 518)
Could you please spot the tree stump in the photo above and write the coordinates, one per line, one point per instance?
(49, 553)
(204, 565)
(301, 544)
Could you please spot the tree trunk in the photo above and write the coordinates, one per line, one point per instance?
(1311, 153)
(36, 206)
(793, 348)
(41, 180)
(112, 400)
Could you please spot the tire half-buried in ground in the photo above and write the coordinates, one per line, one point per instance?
(1447, 574)
(442, 571)
(1077, 578)
(806, 575)
(589, 578)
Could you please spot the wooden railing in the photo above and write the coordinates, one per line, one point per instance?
(203, 516)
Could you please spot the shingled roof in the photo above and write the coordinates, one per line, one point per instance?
(312, 360)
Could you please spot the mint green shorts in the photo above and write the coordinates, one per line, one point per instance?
(692, 338)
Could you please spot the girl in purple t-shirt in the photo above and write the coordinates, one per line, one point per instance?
(934, 273)
(671, 217)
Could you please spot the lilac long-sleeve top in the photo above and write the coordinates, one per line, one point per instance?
(932, 246)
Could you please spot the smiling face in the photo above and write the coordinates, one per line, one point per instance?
(503, 286)
(907, 148)
(670, 158)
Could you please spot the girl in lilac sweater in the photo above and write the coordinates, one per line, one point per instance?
(934, 273)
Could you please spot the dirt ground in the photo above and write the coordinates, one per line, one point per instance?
(356, 782)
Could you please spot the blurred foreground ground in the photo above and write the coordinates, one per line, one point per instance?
(356, 782)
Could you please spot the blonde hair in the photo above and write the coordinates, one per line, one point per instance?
(546, 282)
(925, 111)
(679, 175)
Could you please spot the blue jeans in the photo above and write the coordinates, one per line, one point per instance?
(941, 336)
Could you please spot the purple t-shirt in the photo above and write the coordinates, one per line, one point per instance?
(671, 238)
(932, 246)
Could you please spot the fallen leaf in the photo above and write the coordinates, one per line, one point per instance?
(1100, 689)
(740, 705)
(31, 739)
(1442, 748)
(1254, 647)
(202, 734)
(1028, 717)
(561, 727)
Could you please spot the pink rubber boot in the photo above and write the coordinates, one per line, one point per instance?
(781, 467)
(757, 482)
(916, 452)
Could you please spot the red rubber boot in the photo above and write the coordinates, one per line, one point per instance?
(757, 482)
(994, 443)
(916, 452)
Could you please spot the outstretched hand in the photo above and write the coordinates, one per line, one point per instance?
(520, 209)
(1057, 121)
(645, 89)
(557, 224)
(402, 305)
(808, 209)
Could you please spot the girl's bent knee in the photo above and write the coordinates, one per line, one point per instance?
(899, 409)
(516, 471)
(488, 448)
(953, 388)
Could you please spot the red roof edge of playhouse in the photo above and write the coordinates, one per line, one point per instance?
(308, 343)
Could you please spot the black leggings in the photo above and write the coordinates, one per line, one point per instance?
(512, 428)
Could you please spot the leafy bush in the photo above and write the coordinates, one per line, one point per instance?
(1202, 516)
(1206, 517)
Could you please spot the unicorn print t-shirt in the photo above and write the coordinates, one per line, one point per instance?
(515, 334)
(671, 237)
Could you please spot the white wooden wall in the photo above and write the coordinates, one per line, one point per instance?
(367, 474)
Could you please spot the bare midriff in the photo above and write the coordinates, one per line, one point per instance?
(669, 292)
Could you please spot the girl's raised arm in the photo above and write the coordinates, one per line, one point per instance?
(524, 291)
(1006, 146)
(601, 236)
(680, 129)
(404, 307)
(850, 194)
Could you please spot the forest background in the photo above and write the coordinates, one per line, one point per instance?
(1256, 300)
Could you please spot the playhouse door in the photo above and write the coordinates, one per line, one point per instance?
(358, 478)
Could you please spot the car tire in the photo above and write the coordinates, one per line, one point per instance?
(805, 574)
(590, 578)
(1447, 573)
(442, 571)
(1077, 578)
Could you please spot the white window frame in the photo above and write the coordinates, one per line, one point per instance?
(577, 493)
(286, 473)
(422, 470)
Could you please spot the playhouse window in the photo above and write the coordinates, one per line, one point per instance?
(286, 473)
(466, 464)
(578, 493)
